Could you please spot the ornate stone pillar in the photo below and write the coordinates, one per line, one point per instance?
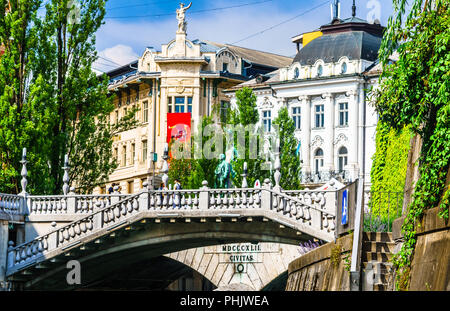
(353, 124)
(329, 132)
(305, 133)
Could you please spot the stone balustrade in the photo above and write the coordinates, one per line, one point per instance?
(69, 204)
(215, 202)
(11, 204)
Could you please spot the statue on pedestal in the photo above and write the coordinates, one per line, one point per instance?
(181, 17)
(223, 174)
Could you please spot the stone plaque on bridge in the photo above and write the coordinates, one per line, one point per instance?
(243, 252)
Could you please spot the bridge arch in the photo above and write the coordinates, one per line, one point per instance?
(131, 244)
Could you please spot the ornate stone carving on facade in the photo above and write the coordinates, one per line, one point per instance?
(353, 92)
(181, 14)
(340, 138)
(267, 103)
(317, 141)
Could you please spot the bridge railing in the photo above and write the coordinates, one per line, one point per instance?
(69, 204)
(11, 204)
(111, 216)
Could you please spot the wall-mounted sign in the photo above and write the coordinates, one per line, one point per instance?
(344, 213)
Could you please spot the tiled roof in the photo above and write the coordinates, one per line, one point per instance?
(255, 56)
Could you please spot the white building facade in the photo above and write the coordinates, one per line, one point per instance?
(326, 90)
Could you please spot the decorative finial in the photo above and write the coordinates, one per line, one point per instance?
(165, 167)
(335, 10)
(24, 172)
(244, 176)
(354, 9)
(277, 165)
(66, 180)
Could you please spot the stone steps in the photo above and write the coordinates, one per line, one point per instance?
(377, 252)
(376, 257)
(381, 247)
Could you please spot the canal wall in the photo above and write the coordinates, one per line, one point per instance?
(325, 268)
(430, 267)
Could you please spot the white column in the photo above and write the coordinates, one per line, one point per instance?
(361, 126)
(329, 132)
(353, 122)
(3, 248)
(305, 132)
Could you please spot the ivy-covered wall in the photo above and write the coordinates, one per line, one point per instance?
(389, 170)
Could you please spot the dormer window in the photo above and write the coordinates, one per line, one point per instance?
(296, 73)
(343, 68)
(320, 71)
(225, 67)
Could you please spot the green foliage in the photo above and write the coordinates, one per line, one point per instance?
(335, 256)
(415, 92)
(51, 101)
(247, 114)
(290, 162)
(389, 170)
(192, 172)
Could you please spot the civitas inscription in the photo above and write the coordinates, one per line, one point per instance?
(243, 252)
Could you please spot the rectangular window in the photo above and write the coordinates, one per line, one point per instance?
(124, 155)
(296, 116)
(130, 186)
(320, 116)
(169, 104)
(224, 108)
(116, 119)
(116, 154)
(267, 120)
(343, 114)
(179, 104)
(144, 150)
(133, 153)
(189, 99)
(124, 112)
(145, 111)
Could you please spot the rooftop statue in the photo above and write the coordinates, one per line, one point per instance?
(181, 17)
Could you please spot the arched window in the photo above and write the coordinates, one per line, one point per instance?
(318, 160)
(342, 158)
(320, 71)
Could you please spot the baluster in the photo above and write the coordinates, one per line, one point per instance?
(90, 223)
(196, 201)
(307, 214)
(250, 200)
(77, 228)
(244, 200)
(325, 222)
(299, 212)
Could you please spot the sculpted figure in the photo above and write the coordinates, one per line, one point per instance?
(181, 14)
(223, 174)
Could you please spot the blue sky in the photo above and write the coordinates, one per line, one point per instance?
(130, 26)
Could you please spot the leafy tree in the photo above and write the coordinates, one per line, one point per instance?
(414, 92)
(193, 171)
(245, 115)
(25, 117)
(290, 163)
(62, 106)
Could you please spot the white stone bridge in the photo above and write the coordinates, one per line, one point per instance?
(103, 231)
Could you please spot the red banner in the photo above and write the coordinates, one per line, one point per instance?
(179, 127)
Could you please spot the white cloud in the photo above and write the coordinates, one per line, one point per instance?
(114, 57)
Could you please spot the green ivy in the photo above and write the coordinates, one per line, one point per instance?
(415, 92)
(389, 170)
